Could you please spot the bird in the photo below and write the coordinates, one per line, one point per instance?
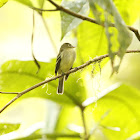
(64, 62)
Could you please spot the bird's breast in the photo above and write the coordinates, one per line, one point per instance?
(67, 59)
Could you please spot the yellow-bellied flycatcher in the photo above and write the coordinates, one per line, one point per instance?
(64, 63)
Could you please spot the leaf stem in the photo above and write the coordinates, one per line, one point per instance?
(84, 125)
(32, 46)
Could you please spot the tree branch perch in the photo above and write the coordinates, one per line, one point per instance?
(56, 77)
(61, 8)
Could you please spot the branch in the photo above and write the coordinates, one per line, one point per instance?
(61, 8)
(135, 31)
(56, 77)
(32, 40)
(84, 125)
(49, 10)
(8, 92)
(50, 136)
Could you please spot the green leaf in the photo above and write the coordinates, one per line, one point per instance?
(109, 7)
(91, 41)
(17, 76)
(34, 3)
(69, 22)
(109, 37)
(122, 105)
(69, 116)
(2, 2)
(49, 136)
(37, 134)
(65, 118)
(25, 2)
(41, 3)
(131, 11)
(6, 128)
(135, 136)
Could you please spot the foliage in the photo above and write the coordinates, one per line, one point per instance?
(6, 128)
(2, 2)
(15, 71)
(69, 22)
(122, 106)
(115, 115)
(109, 12)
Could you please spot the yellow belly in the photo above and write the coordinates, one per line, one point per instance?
(67, 60)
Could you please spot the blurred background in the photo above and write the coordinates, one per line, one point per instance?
(15, 43)
(16, 24)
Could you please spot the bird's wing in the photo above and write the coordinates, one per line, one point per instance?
(57, 63)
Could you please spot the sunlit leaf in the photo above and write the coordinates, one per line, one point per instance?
(51, 136)
(122, 30)
(65, 119)
(109, 36)
(19, 75)
(41, 3)
(123, 106)
(2, 2)
(94, 10)
(25, 2)
(91, 41)
(93, 99)
(131, 11)
(38, 134)
(69, 22)
(6, 128)
(135, 136)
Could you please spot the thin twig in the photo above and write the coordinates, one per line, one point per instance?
(47, 10)
(51, 136)
(32, 40)
(61, 8)
(135, 32)
(56, 77)
(8, 92)
(84, 125)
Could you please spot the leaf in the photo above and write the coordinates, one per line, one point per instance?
(109, 35)
(2, 2)
(92, 100)
(17, 76)
(49, 136)
(94, 10)
(109, 7)
(6, 128)
(131, 11)
(65, 119)
(135, 136)
(25, 2)
(38, 133)
(123, 106)
(91, 41)
(69, 22)
(41, 3)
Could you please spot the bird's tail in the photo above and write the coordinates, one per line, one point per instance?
(60, 85)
